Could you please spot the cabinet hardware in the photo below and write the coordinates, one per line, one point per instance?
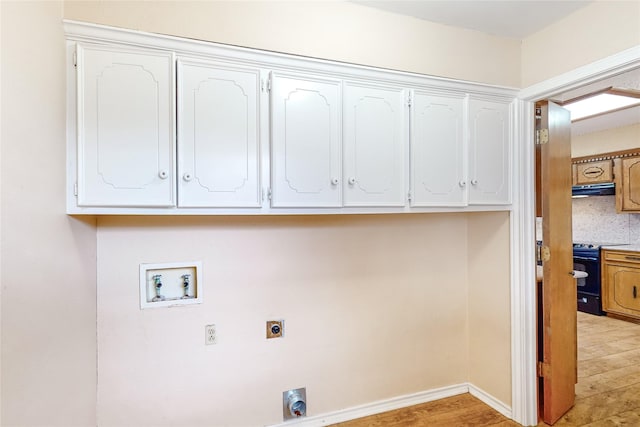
(75, 59)
(75, 189)
(462, 184)
(635, 292)
(334, 181)
(474, 182)
(352, 181)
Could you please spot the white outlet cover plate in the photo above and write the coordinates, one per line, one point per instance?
(172, 284)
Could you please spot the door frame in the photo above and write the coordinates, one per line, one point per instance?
(524, 409)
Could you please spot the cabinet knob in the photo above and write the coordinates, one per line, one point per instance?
(474, 182)
(462, 184)
(187, 177)
(352, 181)
(163, 174)
(334, 181)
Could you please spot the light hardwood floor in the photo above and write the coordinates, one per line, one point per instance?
(607, 393)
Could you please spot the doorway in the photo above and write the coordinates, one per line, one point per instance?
(524, 385)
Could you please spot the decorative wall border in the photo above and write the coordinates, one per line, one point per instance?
(607, 156)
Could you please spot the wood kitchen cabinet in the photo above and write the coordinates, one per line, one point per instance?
(218, 128)
(627, 179)
(593, 172)
(621, 283)
(125, 127)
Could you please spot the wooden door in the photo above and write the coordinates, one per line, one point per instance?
(438, 150)
(489, 151)
(558, 343)
(218, 126)
(126, 136)
(375, 145)
(306, 138)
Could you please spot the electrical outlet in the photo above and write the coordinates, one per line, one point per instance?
(210, 335)
(275, 329)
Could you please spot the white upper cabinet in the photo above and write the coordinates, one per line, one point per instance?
(173, 126)
(125, 127)
(438, 150)
(489, 151)
(306, 143)
(375, 145)
(218, 135)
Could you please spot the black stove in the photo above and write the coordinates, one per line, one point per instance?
(586, 257)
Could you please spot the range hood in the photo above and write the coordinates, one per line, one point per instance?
(593, 190)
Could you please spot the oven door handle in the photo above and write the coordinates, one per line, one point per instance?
(581, 258)
(577, 274)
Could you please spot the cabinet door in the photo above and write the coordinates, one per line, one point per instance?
(630, 184)
(438, 151)
(374, 145)
(126, 137)
(623, 290)
(306, 141)
(489, 152)
(594, 172)
(218, 142)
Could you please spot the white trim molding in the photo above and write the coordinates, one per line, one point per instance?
(523, 286)
(398, 403)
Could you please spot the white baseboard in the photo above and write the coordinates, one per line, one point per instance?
(491, 401)
(380, 406)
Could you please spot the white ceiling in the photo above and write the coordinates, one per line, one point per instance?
(506, 18)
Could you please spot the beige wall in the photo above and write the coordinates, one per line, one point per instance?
(324, 29)
(48, 259)
(622, 138)
(489, 304)
(599, 30)
(374, 307)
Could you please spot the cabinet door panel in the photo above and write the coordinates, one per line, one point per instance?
(306, 142)
(218, 146)
(438, 151)
(631, 184)
(490, 151)
(375, 140)
(125, 128)
(621, 291)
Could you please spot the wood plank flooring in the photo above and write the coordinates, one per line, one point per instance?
(607, 393)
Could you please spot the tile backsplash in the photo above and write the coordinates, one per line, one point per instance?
(595, 220)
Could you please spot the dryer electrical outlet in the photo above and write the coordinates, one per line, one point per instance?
(170, 284)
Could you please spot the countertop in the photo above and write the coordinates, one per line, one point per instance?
(627, 248)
